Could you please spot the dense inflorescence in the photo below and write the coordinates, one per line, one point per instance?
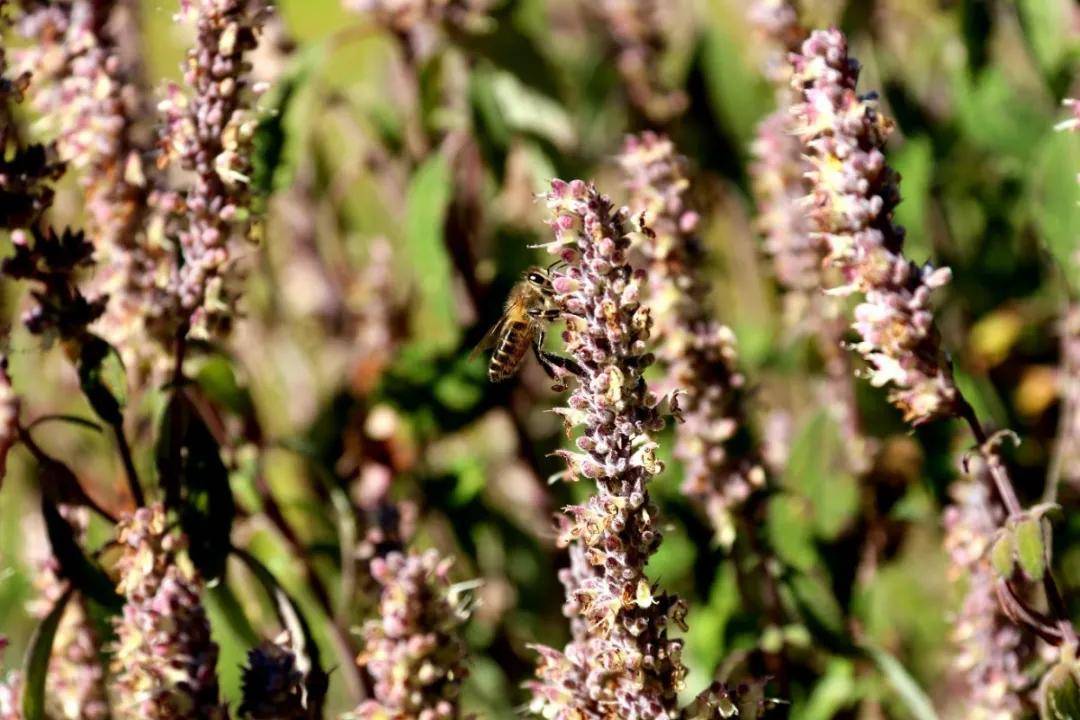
(208, 132)
(698, 354)
(777, 25)
(413, 651)
(777, 179)
(850, 206)
(626, 666)
(81, 85)
(635, 30)
(164, 661)
(273, 686)
(86, 87)
(26, 171)
(991, 652)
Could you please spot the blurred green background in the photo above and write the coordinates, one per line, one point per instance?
(989, 189)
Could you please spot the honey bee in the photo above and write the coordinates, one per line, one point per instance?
(530, 307)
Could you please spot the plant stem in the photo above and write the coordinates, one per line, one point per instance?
(129, 465)
(1007, 493)
(170, 476)
(998, 472)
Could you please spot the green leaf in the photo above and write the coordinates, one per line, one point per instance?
(816, 470)
(790, 531)
(270, 162)
(1030, 550)
(36, 664)
(302, 642)
(737, 93)
(1047, 24)
(825, 617)
(1055, 197)
(525, 110)
(102, 379)
(915, 163)
(913, 696)
(1001, 555)
(218, 380)
(980, 101)
(1059, 691)
(428, 199)
(196, 484)
(835, 691)
(75, 566)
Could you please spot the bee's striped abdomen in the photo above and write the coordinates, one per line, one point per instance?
(510, 350)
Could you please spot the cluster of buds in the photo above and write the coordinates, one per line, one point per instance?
(418, 22)
(850, 206)
(636, 33)
(164, 661)
(776, 23)
(698, 354)
(413, 651)
(52, 261)
(25, 170)
(273, 685)
(85, 87)
(625, 665)
(208, 133)
(81, 87)
(776, 175)
(992, 653)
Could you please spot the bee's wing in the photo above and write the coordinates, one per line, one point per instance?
(489, 339)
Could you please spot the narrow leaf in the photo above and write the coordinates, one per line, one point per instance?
(61, 487)
(196, 484)
(36, 664)
(913, 696)
(429, 197)
(75, 566)
(102, 379)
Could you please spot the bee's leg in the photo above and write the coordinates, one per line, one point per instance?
(556, 366)
(548, 314)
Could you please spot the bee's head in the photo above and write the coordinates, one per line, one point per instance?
(538, 277)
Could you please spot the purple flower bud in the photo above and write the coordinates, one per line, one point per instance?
(843, 135)
(413, 651)
(612, 529)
